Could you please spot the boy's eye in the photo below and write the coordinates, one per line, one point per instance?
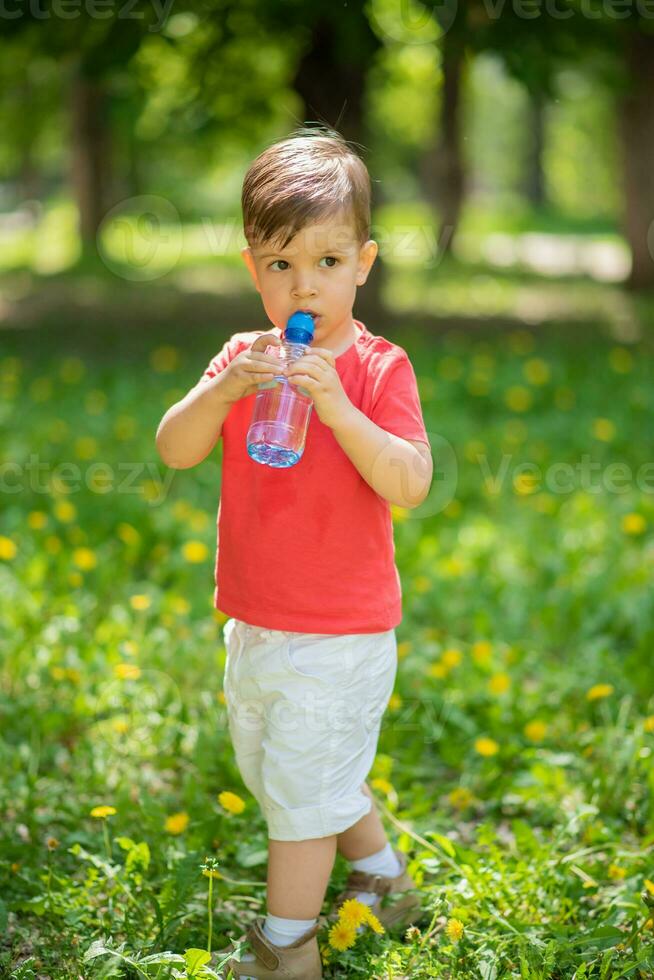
(284, 262)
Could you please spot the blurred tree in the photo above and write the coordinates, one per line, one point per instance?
(534, 184)
(616, 47)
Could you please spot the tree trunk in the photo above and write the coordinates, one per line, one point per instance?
(636, 126)
(332, 91)
(443, 168)
(90, 163)
(534, 178)
(332, 88)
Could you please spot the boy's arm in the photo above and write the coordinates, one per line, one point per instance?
(399, 470)
(191, 427)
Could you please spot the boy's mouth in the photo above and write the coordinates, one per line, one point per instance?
(312, 313)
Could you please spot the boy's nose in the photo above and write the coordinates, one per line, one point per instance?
(302, 290)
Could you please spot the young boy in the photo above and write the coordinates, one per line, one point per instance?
(306, 568)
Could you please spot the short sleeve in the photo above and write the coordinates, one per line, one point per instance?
(396, 402)
(228, 352)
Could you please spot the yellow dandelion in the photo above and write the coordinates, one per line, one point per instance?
(422, 584)
(633, 523)
(231, 802)
(71, 370)
(120, 726)
(84, 558)
(180, 605)
(58, 673)
(535, 730)
(518, 398)
(15, 867)
(403, 649)
(195, 551)
(211, 873)
(499, 683)
(395, 702)
(342, 936)
(649, 885)
(373, 921)
(621, 360)
(140, 602)
(128, 534)
(438, 670)
(176, 823)
(86, 447)
(124, 427)
(648, 724)
(481, 652)
(352, 913)
(64, 511)
(221, 697)
(102, 812)
(75, 579)
(536, 371)
(450, 368)
(604, 429)
(454, 929)
(52, 544)
(460, 797)
(164, 359)
(486, 746)
(37, 520)
(382, 785)
(451, 657)
(615, 872)
(127, 672)
(8, 548)
(52, 843)
(598, 691)
(525, 483)
(73, 675)
(453, 509)
(399, 514)
(521, 341)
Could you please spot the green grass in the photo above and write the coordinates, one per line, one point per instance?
(519, 599)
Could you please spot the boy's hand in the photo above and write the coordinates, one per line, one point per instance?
(250, 368)
(316, 373)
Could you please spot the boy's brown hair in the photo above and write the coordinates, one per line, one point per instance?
(310, 175)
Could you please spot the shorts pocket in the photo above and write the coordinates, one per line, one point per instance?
(318, 657)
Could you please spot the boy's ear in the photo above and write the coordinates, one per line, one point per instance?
(248, 258)
(367, 256)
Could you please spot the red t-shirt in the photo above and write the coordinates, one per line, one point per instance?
(310, 548)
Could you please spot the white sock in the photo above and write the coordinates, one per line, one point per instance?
(384, 862)
(280, 932)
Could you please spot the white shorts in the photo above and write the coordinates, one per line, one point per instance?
(304, 713)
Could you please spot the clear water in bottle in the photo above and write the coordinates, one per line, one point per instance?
(280, 419)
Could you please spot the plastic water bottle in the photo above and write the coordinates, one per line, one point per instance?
(280, 419)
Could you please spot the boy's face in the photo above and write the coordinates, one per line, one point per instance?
(319, 271)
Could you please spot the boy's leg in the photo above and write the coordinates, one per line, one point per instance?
(298, 874)
(367, 836)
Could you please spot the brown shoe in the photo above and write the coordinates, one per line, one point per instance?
(299, 961)
(390, 912)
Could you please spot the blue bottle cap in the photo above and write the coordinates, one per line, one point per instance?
(299, 328)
